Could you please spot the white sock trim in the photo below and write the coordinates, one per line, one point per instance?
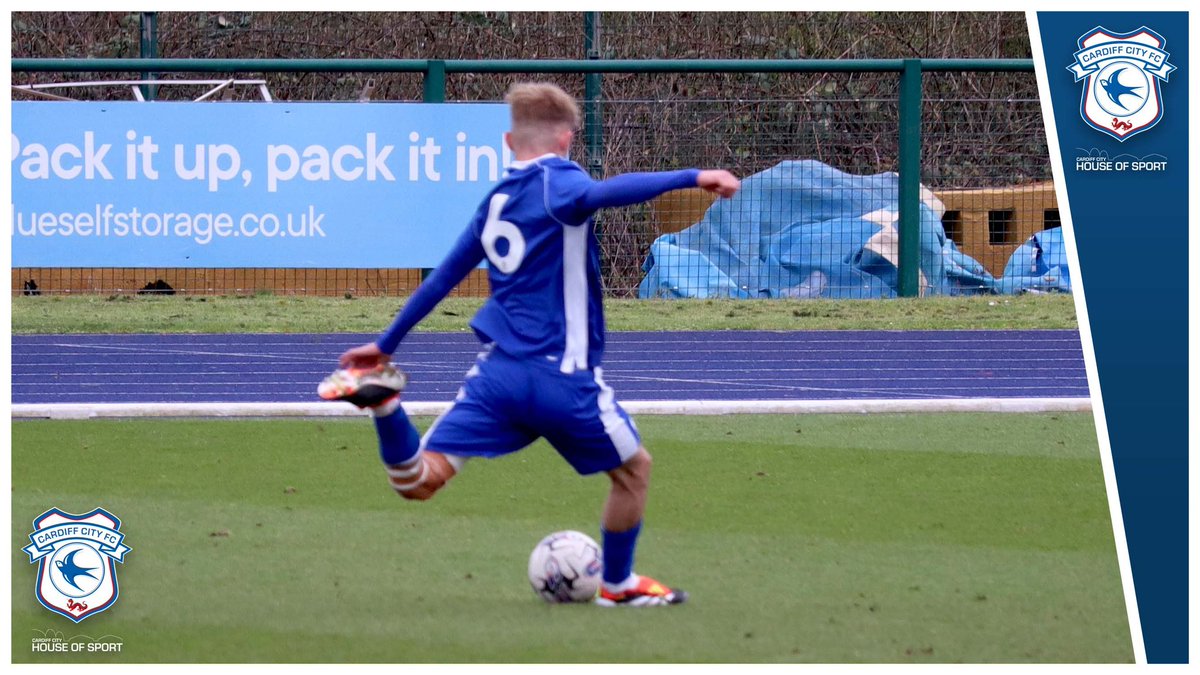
(631, 581)
(405, 471)
(413, 484)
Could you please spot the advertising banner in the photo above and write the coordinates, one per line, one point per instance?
(380, 185)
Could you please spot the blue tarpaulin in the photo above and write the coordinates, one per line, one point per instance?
(803, 229)
(1040, 264)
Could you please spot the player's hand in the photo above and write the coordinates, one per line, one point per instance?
(365, 356)
(719, 181)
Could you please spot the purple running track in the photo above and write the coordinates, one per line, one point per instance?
(725, 365)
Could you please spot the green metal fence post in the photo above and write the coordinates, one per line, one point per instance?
(148, 49)
(435, 82)
(910, 179)
(592, 125)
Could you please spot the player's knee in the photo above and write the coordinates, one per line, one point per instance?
(634, 474)
(420, 478)
(641, 463)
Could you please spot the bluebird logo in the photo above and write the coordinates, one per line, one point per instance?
(1121, 74)
(77, 556)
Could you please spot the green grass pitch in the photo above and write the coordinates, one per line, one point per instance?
(819, 538)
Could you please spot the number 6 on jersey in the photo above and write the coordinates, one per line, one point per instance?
(495, 229)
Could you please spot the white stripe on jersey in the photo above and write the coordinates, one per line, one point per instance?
(618, 430)
(575, 287)
(575, 298)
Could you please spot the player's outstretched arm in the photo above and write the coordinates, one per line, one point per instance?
(633, 188)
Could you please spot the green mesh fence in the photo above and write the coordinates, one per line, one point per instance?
(984, 151)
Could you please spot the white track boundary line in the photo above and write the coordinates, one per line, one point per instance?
(321, 409)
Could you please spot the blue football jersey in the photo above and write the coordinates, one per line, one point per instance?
(544, 266)
(535, 230)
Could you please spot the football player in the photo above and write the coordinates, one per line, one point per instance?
(539, 374)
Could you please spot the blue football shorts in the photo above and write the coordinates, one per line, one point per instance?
(508, 403)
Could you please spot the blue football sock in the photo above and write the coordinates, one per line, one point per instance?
(618, 553)
(398, 438)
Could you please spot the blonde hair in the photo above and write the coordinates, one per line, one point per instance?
(540, 110)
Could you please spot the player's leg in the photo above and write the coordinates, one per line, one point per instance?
(479, 423)
(621, 525)
(626, 500)
(412, 473)
(593, 433)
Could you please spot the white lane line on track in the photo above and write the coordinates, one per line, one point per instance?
(424, 372)
(659, 364)
(756, 385)
(204, 380)
(679, 347)
(194, 352)
(189, 352)
(448, 390)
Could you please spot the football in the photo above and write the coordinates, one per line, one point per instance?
(566, 567)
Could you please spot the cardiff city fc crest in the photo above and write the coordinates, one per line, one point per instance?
(77, 555)
(1121, 96)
